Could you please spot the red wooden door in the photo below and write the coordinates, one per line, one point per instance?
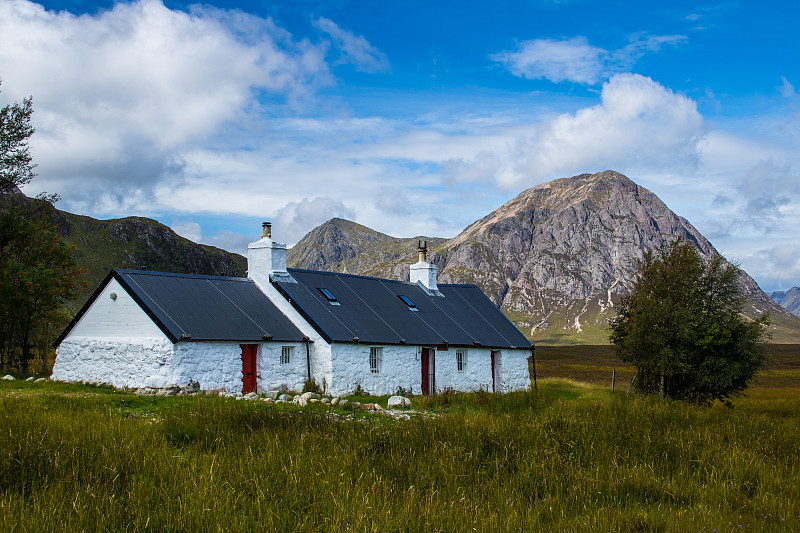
(428, 371)
(249, 367)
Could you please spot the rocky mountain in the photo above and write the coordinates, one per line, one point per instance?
(555, 259)
(789, 300)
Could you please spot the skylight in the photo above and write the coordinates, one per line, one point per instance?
(329, 296)
(408, 302)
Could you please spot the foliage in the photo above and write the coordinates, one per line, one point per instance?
(38, 274)
(77, 458)
(310, 385)
(682, 327)
(16, 166)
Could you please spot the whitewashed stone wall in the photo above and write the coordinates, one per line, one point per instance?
(402, 367)
(273, 375)
(350, 365)
(122, 362)
(514, 374)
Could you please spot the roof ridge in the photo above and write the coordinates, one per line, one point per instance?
(343, 274)
(133, 271)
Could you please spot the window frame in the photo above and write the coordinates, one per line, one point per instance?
(286, 355)
(461, 360)
(376, 360)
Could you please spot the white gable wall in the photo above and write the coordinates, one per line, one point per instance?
(108, 318)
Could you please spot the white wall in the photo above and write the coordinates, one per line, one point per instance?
(122, 362)
(273, 375)
(112, 318)
(402, 367)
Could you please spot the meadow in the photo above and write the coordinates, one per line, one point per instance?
(569, 456)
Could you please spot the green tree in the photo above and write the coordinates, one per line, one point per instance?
(16, 162)
(683, 329)
(38, 274)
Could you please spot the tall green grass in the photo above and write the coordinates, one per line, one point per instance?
(565, 458)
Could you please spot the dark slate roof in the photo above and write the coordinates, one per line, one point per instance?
(207, 308)
(370, 309)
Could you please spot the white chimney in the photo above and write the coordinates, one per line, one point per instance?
(266, 258)
(424, 273)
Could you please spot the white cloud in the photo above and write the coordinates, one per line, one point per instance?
(572, 60)
(638, 124)
(189, 230)
(355, 49)
(575, 60)
(787, 89)
(118, 95)
(295, 219)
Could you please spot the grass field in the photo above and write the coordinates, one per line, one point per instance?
(571, 456)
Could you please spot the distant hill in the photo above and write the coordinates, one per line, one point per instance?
(555, 259)
(135, 242)
(789, 300)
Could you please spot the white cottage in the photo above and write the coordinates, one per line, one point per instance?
(281, 326)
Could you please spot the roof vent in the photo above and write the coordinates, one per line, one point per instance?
(266, 230)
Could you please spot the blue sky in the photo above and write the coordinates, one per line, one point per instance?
(411, 117)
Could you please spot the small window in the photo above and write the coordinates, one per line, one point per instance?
(408, 302)
(461, 360)
(329, 296)
(375, 360)
(286, 354)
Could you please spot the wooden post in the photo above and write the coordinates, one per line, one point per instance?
(533, 362)
(613, 378)
(631, 385)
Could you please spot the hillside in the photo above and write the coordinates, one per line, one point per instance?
(555, 259)
(132, 242)
(789, 300)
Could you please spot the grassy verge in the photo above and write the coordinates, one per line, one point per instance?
(566, 458)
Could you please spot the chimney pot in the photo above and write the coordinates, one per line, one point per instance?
(422, 249)
(266, 230)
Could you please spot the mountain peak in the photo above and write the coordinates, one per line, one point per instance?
(555, 258)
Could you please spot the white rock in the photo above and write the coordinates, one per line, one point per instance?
(343, 402)
(251, 396)
(8, 377)
(268, 400)
(325, 400)
(29, 379)
(310, 396)
(399, 401)
(273, 394)
(300, 401)
(40, 380)
(335, 401)
(285, 397)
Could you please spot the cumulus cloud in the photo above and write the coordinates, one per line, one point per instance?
(575, 60)
(638, 123)
(120, 94)
(295, 219)
(355, 49)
